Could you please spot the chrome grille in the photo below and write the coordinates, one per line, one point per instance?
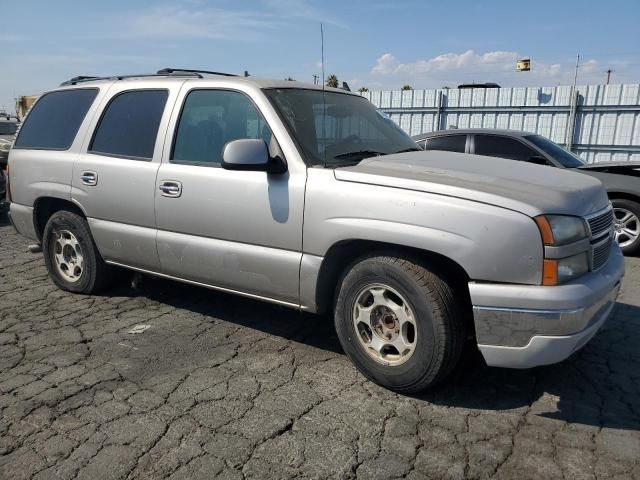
(601, 228)
(601, 224)
(601, 253)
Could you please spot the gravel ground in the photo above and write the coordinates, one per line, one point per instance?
(223, 387)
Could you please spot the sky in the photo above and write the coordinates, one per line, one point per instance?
(377, 44)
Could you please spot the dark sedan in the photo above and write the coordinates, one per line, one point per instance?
(621, 179)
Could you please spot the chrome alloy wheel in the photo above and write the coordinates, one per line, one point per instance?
(385, 324)
(67, 255)
(627, 226)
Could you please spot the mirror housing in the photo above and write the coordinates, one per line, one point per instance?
(251, 154)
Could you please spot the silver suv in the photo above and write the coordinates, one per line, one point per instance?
(312, 199)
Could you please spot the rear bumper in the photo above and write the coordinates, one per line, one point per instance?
(520, 326)
(21, 217)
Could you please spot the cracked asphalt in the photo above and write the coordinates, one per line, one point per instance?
(224, 387)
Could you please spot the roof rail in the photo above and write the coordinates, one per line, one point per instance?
(173, 71)
(161, 73)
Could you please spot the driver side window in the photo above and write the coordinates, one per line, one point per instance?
(212, 118)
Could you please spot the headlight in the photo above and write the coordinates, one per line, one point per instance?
(572, 267)
(5, 146)
(556, 231)
(559, 230)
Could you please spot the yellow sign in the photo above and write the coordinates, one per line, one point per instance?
(523, 65)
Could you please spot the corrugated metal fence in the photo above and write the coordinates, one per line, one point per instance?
(598, 122)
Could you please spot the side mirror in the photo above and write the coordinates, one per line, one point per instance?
(250, 154)
(538, 160)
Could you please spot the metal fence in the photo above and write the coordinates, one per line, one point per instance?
(598, 122)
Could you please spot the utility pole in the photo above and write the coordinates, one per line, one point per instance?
(609, 72)
(315, 79)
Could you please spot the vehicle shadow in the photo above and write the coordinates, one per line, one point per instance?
(4, 217)
(598, 386)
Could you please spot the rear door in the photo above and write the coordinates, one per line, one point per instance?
(234, 230)
(115, 174)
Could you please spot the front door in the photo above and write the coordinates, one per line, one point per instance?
(234, 230)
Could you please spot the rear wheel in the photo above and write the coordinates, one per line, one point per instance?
(627, 225)
(399, 322)
(72, 259)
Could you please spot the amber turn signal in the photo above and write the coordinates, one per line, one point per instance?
(550, 272)
(545, 230)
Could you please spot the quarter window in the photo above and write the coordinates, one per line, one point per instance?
(55, 119)
(212, 118)
(503, 147)
(448, 143)
(129, 125)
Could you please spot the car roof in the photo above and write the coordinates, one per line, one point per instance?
(202, 77)
(467, 131)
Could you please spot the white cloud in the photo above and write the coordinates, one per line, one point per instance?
(495, 66)
(191, 19)
(303, 9)
(10, 38)
(188, 22)
(387, 63)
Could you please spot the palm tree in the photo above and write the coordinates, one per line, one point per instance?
(332, 81)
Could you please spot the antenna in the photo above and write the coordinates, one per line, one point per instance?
(324, 101)
(322, 52)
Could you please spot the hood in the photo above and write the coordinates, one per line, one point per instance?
(523, 187)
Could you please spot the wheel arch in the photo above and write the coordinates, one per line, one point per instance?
(345, 253)
(623, 195)
(45, 207)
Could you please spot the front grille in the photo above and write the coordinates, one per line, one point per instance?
(601, 227)
(601, 223)
(601, 254)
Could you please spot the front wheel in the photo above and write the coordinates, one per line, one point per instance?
(399, 323)
(627, 225)
(72, 259)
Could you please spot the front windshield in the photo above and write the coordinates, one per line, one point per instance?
(565, 157)
(352, 128)
(8, 128)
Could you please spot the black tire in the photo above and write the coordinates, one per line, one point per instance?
(632, 248)
(96, 274)
(440, 318)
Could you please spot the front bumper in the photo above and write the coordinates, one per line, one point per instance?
(523, 326)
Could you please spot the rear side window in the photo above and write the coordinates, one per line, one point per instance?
(503, 147)
(55, 119)
(129, 125)
(448, 143)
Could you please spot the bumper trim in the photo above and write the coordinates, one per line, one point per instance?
(514, 327)
(542, 349)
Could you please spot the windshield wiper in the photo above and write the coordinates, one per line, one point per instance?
(359, 154)
(412, 149)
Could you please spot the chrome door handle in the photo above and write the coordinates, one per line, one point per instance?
(170, 188)
(89, 178)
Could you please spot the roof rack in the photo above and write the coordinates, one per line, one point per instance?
(178, 71)
(165, 72)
